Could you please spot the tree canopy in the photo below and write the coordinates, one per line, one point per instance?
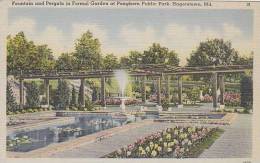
(66, 61)
(213, 52)
(88, 52)
(156, 54)
(110, 61)
(25, 55)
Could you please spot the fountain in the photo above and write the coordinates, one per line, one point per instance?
(122, 79)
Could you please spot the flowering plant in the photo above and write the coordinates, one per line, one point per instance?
(173, 142)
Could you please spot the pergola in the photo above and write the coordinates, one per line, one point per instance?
(142, 71)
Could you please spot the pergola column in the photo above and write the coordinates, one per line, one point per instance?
(21, 91)
(82, 92)
(143, 89)
(103, 100)
(222, 88)
(180, 105)
(159, 90)
(47, 91)
(214, 89)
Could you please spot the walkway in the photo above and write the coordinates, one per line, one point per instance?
(236, 141)
(99, 149)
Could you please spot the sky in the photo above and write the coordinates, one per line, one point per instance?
(122, 30)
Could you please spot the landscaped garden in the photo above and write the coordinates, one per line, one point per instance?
(99, 102)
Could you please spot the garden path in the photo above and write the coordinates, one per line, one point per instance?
(235, 142)
(107, 145)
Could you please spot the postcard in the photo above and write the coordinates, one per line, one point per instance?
(130, 81)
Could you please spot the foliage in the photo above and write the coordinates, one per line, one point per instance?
(125, 62)
(80, 95)
(232, 99)
(110, 62)
(165, 104)
(73, 101)
(176, 142)
(25, 55)
(87, 52)
(11, 104)
(212, 52)
(27, 110)
(66, 61)
(246, 90)
(245, 60)
(32, 94)
(89, 105)
(62, 99)
(156, 54)
(193, 94)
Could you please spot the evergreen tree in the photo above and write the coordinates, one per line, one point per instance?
(32, 95)
(73, 101)
(246, 90)
(80, 100)
(62, 99)
(10, 99)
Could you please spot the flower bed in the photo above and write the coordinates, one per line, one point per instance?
(28, 110)
(177, 142)
(230, 99)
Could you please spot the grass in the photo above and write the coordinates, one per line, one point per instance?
(200, 147)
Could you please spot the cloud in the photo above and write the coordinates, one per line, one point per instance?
(51, 35)
(136, 38)
(22, 24)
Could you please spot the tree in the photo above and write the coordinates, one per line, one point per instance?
(32, 95)
(73, 101)
(62, 95)
(193, 94)
(88, 52)
(110, 62)
(44, 59)
(11, 104)
(135, 57)
(245, 60)
(173, 59)
(213, 52)
(66, 61)
(25, 55)
(157, 54)
(81, 93)
(246, 90)
(125, 62)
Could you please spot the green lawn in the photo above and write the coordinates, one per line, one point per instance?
(199, 148)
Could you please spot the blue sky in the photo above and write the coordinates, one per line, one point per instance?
(121, 30)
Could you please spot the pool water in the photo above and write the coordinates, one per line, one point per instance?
(84, 125)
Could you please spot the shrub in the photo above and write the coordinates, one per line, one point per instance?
(246, 89)
(89, 105)
(165, 104)
(11, 104)
(62, 99)
(73, 101)
(193, 94)
(32, 94)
